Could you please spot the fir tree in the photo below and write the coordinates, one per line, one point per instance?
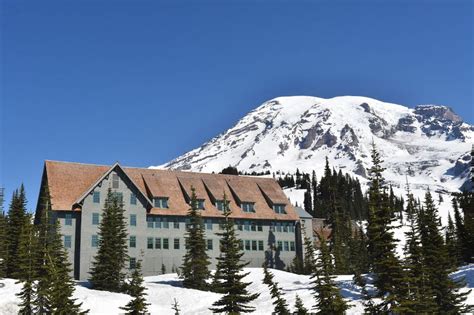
(27, 265)
(327, 294)
(16, 221)
(309, 262)
(445, 290)
(136, 289)
(3, 246)
(381, 243)
(175, 307)
(281, 307)
(308, 202)
(451, 243)
(236, 296)
(299, 307)
(196, 261)
(107, 268)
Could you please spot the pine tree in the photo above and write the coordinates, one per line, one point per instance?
(381, 243)
(308, 202)
(281, 307)
(451, 243)
(27, 265)
(3, 246)
(327, 294)
(54, 286)
(136, 289)
(297, 265)
(466, 236)
(445, 290)
(309, 260)
(196, 261)
(236, 296)
(16, 221)
(299, 307)
(107, 268)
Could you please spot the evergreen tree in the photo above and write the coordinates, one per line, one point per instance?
(196, 261)
(3, 246)
(381, 243)
(107, 268)
(309, 262)
(327, 294)
(27, 265)
(297, 265)
(17, 218)
(445, 290)
(281, 307)
(175, 307)
(466, 203)
(308, 202)
(299, 307)
(54, 286)
(236, 296)
(136, 289)
(451, 243)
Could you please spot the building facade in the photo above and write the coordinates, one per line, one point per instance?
(156, 203)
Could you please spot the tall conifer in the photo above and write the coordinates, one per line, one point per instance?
(195, 261)
(107, 268)
(281, 306)
(138, 304)
(16, 221)
(236, 296)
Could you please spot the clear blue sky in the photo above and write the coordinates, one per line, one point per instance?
(142, 82)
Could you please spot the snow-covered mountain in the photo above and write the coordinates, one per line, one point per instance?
(429, 144)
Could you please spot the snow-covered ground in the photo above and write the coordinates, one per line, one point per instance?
(163, 289)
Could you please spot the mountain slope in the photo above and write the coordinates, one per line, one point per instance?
(429, 144)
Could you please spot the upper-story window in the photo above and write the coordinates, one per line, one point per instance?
(279, 208)
(96, 197)
(118, 195)
(161, 202)
(200, 204)
(133, 199)
(133, 220)
(115, 180)
(68, 219)
(248, 206)
(95, 219)
(220, 205)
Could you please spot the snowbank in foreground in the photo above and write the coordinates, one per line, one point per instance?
(164, 288)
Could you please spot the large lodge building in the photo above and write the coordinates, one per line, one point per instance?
(156, 203)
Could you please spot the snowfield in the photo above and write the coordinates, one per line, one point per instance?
(163, 289)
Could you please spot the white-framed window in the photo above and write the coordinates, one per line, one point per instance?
(279, 208)
(248, 206)
(161, 202)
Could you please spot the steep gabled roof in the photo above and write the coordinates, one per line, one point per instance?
(69, 183)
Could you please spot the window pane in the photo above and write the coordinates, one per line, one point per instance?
(280, 245)
(68, 219)
(95, 219)
(292, 246)
(260, 245)
(176, 224)
(165, 223)
(149, 222)
(287, 247)
(96, 197)
(259, 227)
(133, 263)
(285, 227)
(176, 243)
(133, 220)
(94, 241)
(157, 223)
(247, 226)
(247, 245)
(157, 243)
(208, 224)
(67, 241)
(133, 242)
(209, 244)
(165, 243)
(253, 226)
(115, 181)
(149, 242)
(133, 199)
(254, 245)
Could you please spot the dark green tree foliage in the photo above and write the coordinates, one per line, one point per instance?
(27, 264)
(445, 290)
(381, 243)
(309, 260)
(3, 246)
(107, 268)
(418, 298)
(196, 261)
(299, 307)
(451, 243)
(136, 289)
(464, 226)
(327, 294)
(281, 307)
(17, 218)
(308, 201)
(236, 296)
(53, 287)
(297, 266)
(359, 262)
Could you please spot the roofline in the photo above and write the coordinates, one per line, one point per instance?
(116, 164)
